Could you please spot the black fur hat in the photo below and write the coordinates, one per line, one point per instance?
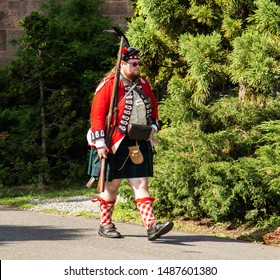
(130, 53)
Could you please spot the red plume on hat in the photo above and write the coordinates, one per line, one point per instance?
(130, 53)
(124, 51)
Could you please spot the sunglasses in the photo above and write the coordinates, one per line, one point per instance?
(134, 64)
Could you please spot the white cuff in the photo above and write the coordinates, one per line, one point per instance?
(89, 137)
(98, 143)
(155, 128)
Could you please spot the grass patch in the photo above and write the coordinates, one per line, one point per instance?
(123, 212)
(21, 196)
(86, 214)
(21, 202)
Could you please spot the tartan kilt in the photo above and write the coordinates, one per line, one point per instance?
(116, 161)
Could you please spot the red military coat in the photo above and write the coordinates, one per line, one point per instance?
(100, 107)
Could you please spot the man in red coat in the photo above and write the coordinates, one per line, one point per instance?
(136, 105)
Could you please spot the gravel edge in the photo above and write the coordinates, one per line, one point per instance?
(72, 205)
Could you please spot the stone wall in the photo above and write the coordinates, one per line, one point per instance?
(12, 11)
(117, 10)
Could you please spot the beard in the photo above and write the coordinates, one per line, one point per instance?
(134, 75)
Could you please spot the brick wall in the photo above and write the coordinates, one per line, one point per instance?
(12, 11)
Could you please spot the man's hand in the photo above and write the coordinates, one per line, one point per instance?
(102, 152)
(153, 131)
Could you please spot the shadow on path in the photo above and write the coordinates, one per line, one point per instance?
(184, 239)
(33, 233)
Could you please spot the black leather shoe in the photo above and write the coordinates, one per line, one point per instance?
(109, 231)
(157, 230)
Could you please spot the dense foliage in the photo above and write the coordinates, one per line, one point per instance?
(215, 69)
(223, 165)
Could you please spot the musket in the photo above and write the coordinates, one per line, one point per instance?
(113, 111)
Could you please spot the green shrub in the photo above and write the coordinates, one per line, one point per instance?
(223, 165)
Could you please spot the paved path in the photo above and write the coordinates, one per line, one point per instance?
(26, 235)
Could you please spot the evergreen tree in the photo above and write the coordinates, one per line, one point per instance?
(205, 44)
(254, 61)
(64, 52)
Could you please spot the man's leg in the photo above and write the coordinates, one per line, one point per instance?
(107, 201)
(144, 203)
(143, 200)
